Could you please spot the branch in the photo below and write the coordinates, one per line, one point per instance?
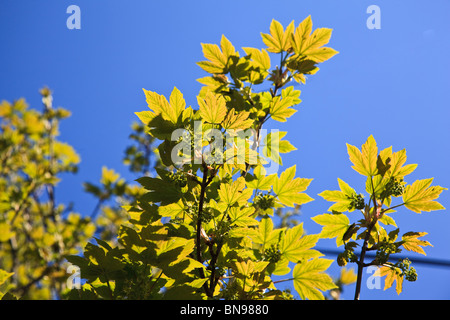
(361, 260)
(204, 184)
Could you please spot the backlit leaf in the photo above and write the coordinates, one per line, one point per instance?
(419, 196)
(364, 161)
(213, 108)
(310, 279)
(289, 190)
(334, 226)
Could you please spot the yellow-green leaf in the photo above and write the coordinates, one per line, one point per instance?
(242, 217)
(260, 57)
(159, 105)
(343, 198)
(320, 37)
(5, 232)
(302, 33)
(364, 161)
(213, 108)
(259, 180)
(237, 120)
(411, 242)
(234, 192)
(391, 275)
(310, 279)
(266, 236)
(273, 146)
(334, 226)
(419, 196)
(321, 54)
(279, 39)
(289, 190)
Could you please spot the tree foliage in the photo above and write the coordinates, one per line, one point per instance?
(385, 173)
(201, 220)
(204, 228)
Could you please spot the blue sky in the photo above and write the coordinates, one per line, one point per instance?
(392, 83)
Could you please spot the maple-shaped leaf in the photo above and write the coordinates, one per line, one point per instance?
(273, 146)
(260, 58)
(213, 108)
(258, 180)
(395, 165)
(160, 190)
(217, 57)
(266, 235)
(301, 34)
(237, 120)
(419, 196)
(310, 46)
(296, 247)
(343, 197)
(289, 190)
(242, 217)
(279, 39)
(392, 274)
(159, 105)
(310, 279)
(364, 161)
(411, 242)
(334, 226)
(280, 108)
(234, 193)
(172, 210)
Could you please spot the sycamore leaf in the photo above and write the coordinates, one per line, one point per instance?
(310, 279)
(266, 236)
(217, 57)
(228, 49)
(279, 39)
(4, 275)
(364, 161)
(260, 57)
(392, 274)
(273, 146)
(334, 226)
(172, 210)
(342, 198)
(280, 107)
(242, 217)
(419, 196)
(289, 190)
(321, 54)
(302, 33)
(396, 168)
(319, 38)
(210, 67)
(213, 108)
(159, 105)
(177, 102)
(411, 242)
(234, 192)
(237, 120)
(160, 190)
(299, 250)
(347, 276)
(258, 180)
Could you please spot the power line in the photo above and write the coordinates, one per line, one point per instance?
(432, 262)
